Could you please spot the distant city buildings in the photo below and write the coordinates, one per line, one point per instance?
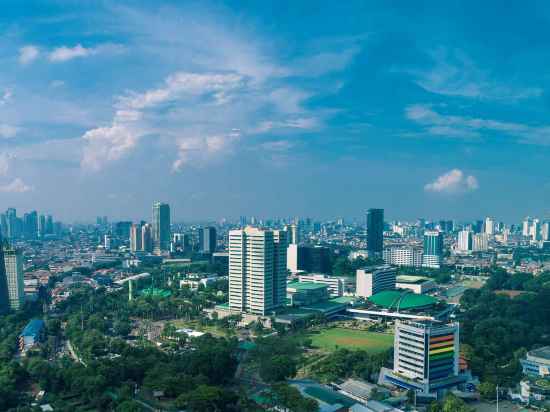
(257, 270)
(433, 249)
(403, 256)
(465, 241)
(370, 281)
(161, 227)
(375, 232)
(306, 258)
(207, 239)
(14, 275)
(480, 242)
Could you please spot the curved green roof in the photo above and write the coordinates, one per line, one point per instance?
(391, 299)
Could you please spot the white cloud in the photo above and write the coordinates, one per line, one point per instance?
(27, 54)
(454, 181)
(455, 74)
(472, 127)
(198, 149)
(6, 97)
(5, 160)
(105, 144)
(7, 131)
(180, 84)
(16, 186)
(64, 53)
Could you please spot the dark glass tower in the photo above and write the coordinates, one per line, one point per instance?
(207, 239)
(375, 232)
(4, 295)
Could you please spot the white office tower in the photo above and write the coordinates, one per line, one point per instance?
(403, 256)
(14, 275)
(292, 258)
(526, 227)
(370, 281)
(545, 231)
(135, 238)
(107, 242)
(534, 230)
(489, 226)
(292, 234)
(426, 357)
(257, 270)
(480, 242)
(464, 240)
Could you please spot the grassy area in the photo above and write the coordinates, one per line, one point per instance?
(373, 342)
(179, 323)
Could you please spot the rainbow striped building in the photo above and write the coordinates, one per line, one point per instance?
(426, 357)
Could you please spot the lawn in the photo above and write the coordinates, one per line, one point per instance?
(373, 342)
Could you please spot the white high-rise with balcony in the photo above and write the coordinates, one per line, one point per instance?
(257, 270)
(14, 275)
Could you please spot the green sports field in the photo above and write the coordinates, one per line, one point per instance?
(373, 342)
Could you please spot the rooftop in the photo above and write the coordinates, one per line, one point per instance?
(394, 299)
(412, 279)
(305, 286)
(543, 352)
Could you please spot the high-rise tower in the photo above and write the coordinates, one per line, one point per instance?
(161, 227)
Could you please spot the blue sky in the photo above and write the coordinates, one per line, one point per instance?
(275, 108)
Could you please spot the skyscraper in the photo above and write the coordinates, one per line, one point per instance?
(257, 270)
(147, 238)
(135, 238)
(41, 226)
(207, 239)
(489, 226)
(433, 249)
(14, 275)
(375, 232)
(4, 294)
(464, 240)
(161, 227)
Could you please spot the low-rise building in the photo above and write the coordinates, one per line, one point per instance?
(335, 284)
(373, 280)
(418, 284)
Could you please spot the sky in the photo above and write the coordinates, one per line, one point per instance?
(275, 108)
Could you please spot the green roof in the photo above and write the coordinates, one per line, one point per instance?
(305, 285)
(392, 299)
(344, 299)
(163, 293)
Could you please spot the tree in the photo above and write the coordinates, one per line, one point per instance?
(129, 406)
(291, 400)
(278, 368)
(487, 390)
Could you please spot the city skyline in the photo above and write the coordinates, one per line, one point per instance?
(244, 95)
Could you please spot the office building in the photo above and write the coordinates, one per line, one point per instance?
(545, 231)
(293, 236)
(147, 238)
(370, 281)
(403, 256)
(526, 227)
(537, 362)
(122, 230)
(4, 293)
(426, 357)
(161, 227)
(221, 260)
(480, 242)
(489, 226)
(13, 262)
(335, 284)
(304, 258)
(49, 225)
(207, 239)
(464, 241)
(136, 238)
(257, 270)
(375, 232)
(433, 249)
